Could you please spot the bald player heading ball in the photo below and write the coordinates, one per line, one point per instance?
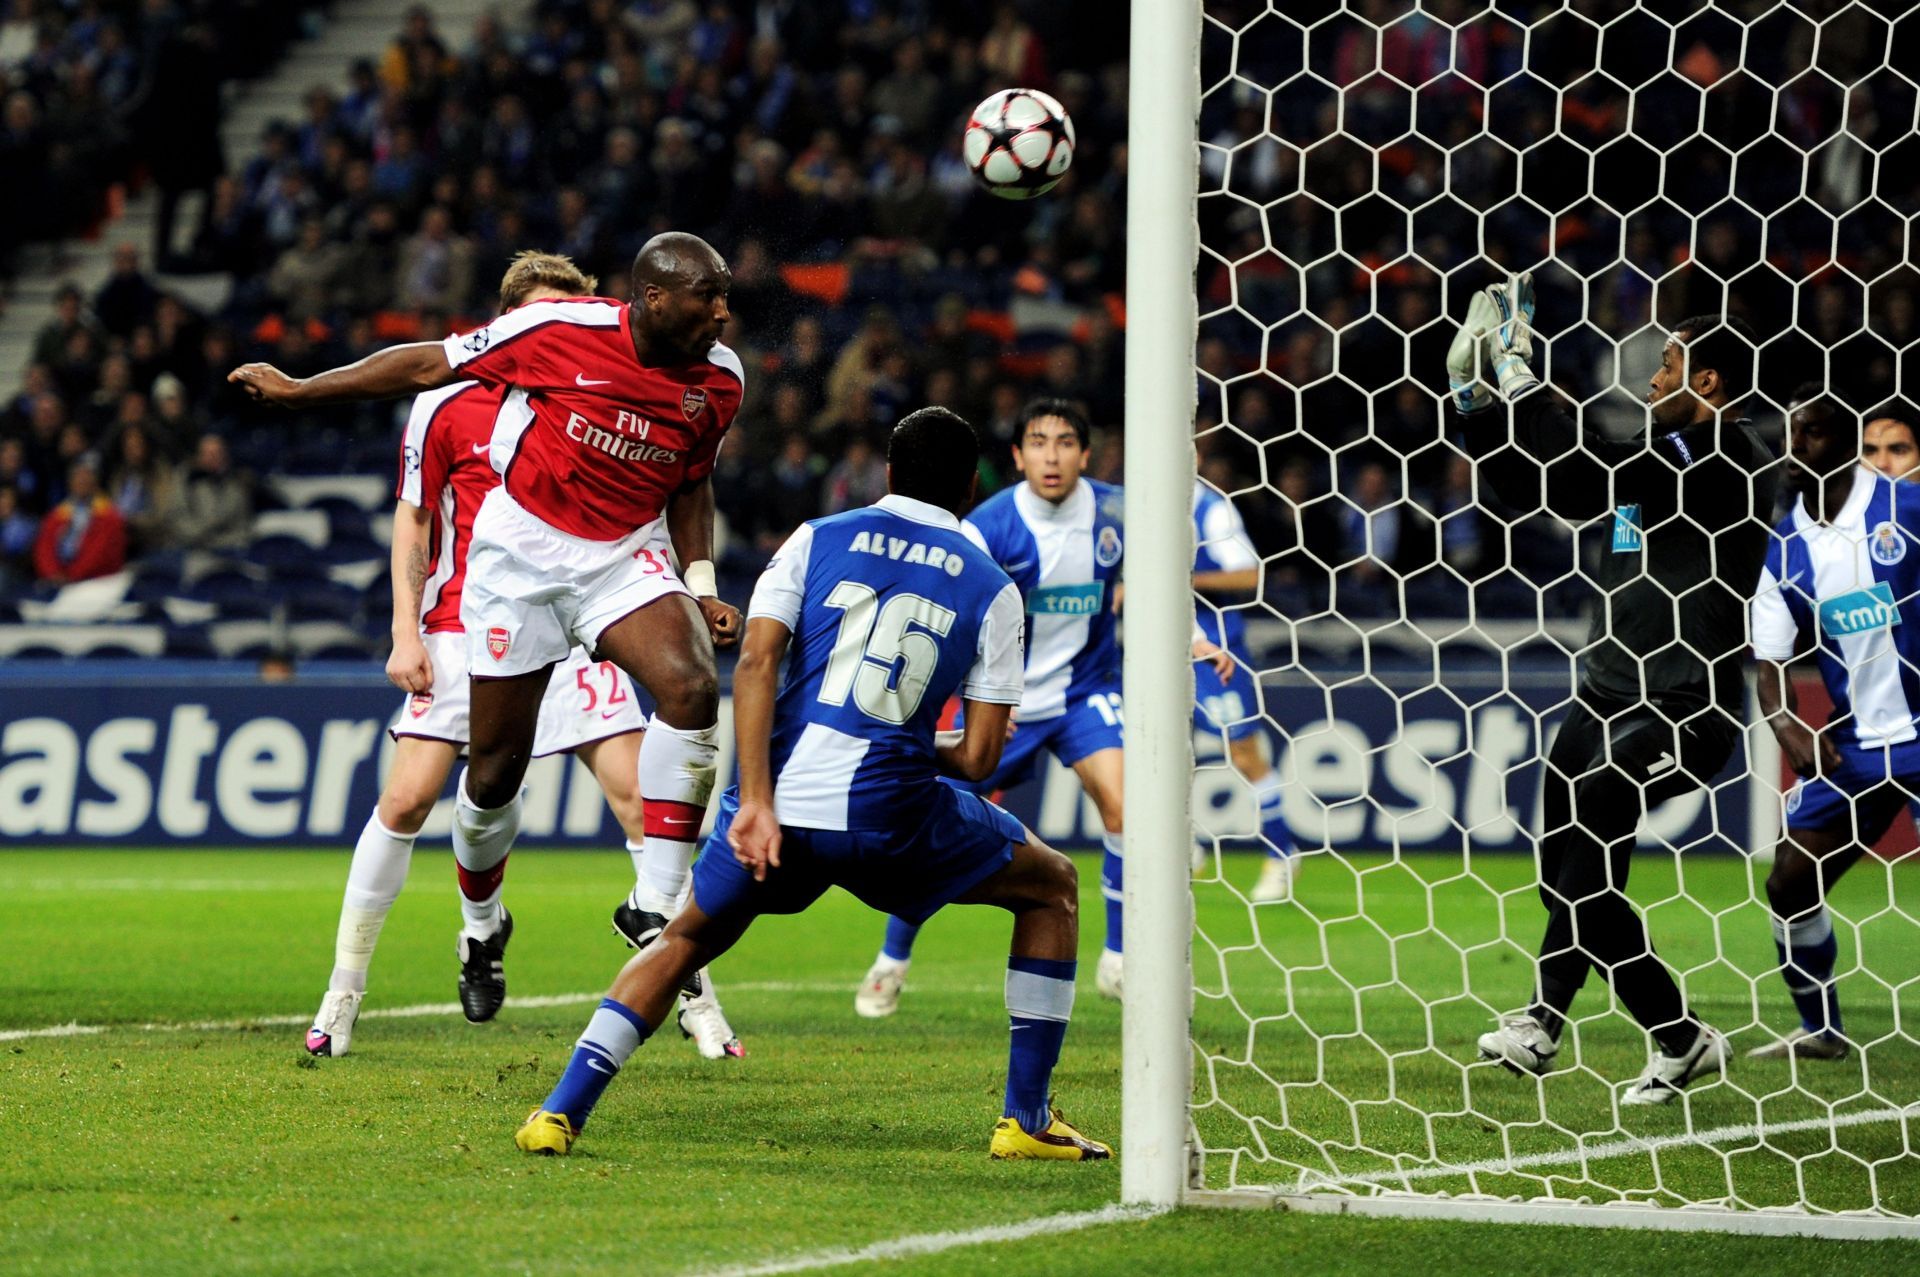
(606, 437)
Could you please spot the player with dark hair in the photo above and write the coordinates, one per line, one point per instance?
(1888, 442)
(590, 710)
(1059, 535)
(878, 616)
(1840, 570)
(605, 440)
(1660, 703)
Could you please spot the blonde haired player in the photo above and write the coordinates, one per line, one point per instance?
(589, 710)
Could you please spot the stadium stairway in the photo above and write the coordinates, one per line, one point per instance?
(356, 29)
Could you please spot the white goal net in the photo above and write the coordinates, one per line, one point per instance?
(1418, 636)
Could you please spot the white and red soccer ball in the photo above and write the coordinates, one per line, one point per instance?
(1018, 143)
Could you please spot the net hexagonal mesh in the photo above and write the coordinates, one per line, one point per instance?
(1428, 594)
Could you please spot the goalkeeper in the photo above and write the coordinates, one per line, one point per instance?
(1660, 703)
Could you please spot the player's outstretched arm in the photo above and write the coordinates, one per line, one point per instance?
(1807, 752)
(409, 667)
(973, 752)
(755, 835)
(690, 528)
(385, 374)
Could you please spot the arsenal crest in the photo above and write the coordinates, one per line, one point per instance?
(498, 641)
(422, 702)
(693, 402)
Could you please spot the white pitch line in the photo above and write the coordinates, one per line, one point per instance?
(1627, 1147)
(75, 1030)
(919, 1244)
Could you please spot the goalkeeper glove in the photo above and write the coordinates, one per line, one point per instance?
(1510, 340)
(1470, 393)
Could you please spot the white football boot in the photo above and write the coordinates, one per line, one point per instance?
(1802, 1045)
(702, 1020)
(1521, 1044)
(1107, 976)
(332, 1031)
(879, 995)
(1276, 881)
(1667, 1075)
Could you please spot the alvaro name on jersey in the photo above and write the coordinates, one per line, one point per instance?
(590, 440)
(892, 608)
(1065, 560)
(1852, 584)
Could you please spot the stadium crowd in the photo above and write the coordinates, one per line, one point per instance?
(820, 152)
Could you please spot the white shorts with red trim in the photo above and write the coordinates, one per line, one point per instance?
(586, 701)
(533, 593)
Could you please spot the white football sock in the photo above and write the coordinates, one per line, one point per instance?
(379, 870)
(481, 841)
(676, 780)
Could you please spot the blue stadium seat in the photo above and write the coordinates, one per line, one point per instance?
(353, 549)
(346, 519)
(286, 556)
(189, 642)
(323, 601)
(237, 595)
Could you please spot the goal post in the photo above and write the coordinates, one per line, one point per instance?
(1162, 245)
(1314, 191)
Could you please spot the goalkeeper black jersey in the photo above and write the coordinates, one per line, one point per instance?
(1682, 520)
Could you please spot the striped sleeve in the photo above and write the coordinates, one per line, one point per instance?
(782, 589)
(509, 349)
(424, 456)
(1774, 634)
(1223, 537)
(999, 668)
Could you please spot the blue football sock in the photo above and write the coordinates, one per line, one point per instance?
(1039, 1004)
(1808, 952)
(1271, 801)
(899, 942)
(613, 1034)
(1112, 879)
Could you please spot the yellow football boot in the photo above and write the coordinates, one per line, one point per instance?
(549, 1134)
(1058, 1143)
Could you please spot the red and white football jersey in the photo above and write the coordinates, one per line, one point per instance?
(444, 468)
(590, 440)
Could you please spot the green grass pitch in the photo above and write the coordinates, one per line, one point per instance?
(193, 1134)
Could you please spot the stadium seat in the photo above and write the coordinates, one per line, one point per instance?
(286, 557)
(323, 601)
(189, 642)
(353, 549)
(368, 491)
(310, 526)
(310, 639)
(345, 518)
(237, 595)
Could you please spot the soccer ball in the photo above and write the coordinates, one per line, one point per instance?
(1018, 143)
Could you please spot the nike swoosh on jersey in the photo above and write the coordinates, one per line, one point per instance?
(609, 713)
(482, 447)
(581, 379)
(1021, 566)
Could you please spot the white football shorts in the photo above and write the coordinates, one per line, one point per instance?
(534, 593)
(586, 701)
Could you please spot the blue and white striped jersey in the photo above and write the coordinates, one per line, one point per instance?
(1221, 545)
(1852, 585)
(892, 610)
(1066, 559)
